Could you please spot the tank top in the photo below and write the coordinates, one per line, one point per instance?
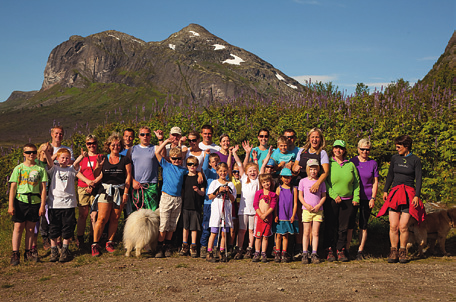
(285, 206)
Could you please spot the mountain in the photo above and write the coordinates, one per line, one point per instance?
(443, 73)
(86, 78)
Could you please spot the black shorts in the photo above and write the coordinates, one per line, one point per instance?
(403, 208)
(25, 211)
(191, 220)
(61, 223)
(364, 213)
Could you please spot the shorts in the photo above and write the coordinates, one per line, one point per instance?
(61, 223)
(216, 230)
(170, 210)
(84, 199)
(402, 208)
(25, 211)
(309, 217)
(246, 222)
(146, 198)
(191, 220)
(262, 229)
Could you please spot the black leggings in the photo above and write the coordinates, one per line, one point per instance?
(337, 217)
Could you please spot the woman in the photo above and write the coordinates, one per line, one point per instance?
(263, 149)
(368, 174)
(86, 186)
(404, 176)
(342, 185)
(115, 172)
(194, 149)
(225, 150)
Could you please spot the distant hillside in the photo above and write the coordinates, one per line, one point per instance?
(444, 70)
(86, 79)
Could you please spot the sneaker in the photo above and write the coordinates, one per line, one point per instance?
(203, 251)
(360, 255)
(54, 254)
(314, 258)
(33, 255)
(168, 252)
(403, 255)
(65, 256)
(330, 257)
(223, 257)
(341, 255)
(193, 251)
(286, 257)
(95, 250)
(210, 257)
(277, 256)
(248, 253)
(256, 257)
(239, 255)
(110, 247)
(264, 258)
(160, 252)
(393, 256)
(185, 249)
(15, 259)
(305, 258)
(46, 243)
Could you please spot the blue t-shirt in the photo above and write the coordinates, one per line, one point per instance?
(173, 178)
(145, 164)
(280, 157)
(261, 155)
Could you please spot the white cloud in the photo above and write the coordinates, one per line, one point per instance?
(433, 58)
(304, 79)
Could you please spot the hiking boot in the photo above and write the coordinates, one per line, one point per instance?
(96, 250)
(223, 257)
(239, 255)
(277, 257)
(217, 253)
(168, 252)
(210, 257)
(46, 243)
(160, 252)
(305, 258)
(341, 255)
(314, 258)
(203, 251)
(403, 255)
(59, 246)
(65, 256)
(256, 257)
(248, 253)
(33, 255)
(193, 251)
(234, 252)
(393, 256)
(286, 257)
(184, 250)
(54, 254)
(264, 258)
(15, 259)
(360, 256)
(110, 247)
(330, 257)
(297, 256)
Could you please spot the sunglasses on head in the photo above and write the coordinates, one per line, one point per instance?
(193, 140)
(263, 136)
(191, 164)
(364, 149)
(144, 134)
(235, 171)
(176, 158)
(91, 143)
(31, 152)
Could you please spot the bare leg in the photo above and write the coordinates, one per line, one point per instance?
(279, 242)
(29, 227)
(17, 235)
(285, 242)
(306, 235)
(264, 244)
(185, 235)
(403, 228)
(194, 236)
(104, 211)
(315, 235)
(362, 239)
(394, 228)
(113, 222)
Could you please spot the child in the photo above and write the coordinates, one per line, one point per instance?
(223, 193)
(282, 156)
(192, 201)
(211, 161)
(264, 205)
(285, 214)
(236, 180)
(171, 199)
(250, 185)
(312, 214)
(27, 200)
(62, 201)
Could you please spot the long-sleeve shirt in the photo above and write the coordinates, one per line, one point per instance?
(343, 180)
(404, 170)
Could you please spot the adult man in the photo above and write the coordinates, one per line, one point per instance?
(145, 171)
(128, 137)
(175, 135)
(290, 134)
(206, 133)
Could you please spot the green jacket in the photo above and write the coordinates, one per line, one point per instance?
(342, 180)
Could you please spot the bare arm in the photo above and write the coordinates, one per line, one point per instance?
(12, 196)
(159, 151)
(238, 161)
(42, 210)
(321, 179)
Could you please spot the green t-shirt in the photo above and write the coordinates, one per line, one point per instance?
(28, 180)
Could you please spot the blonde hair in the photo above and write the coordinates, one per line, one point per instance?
(193, 159)
(91, 137)
(115, 136)
(221, 165)
(364, 141)
(322, 140)
(264, 177)
(308, 169)
(175, 152)
(282, 139)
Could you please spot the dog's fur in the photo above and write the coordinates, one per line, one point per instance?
(141, 230)
(436, 227)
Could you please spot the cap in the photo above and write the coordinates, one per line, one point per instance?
(271, 162)
(175, 130)
(286, 172)
(339, 143)
(312, 162)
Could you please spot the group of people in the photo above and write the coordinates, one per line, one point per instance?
(276, 196)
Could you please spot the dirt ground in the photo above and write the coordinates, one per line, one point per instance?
(118, 278)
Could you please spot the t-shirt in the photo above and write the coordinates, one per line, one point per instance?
(261, 155)
(248, 195)
(280, 157)
(144, 164)
(211, 175)
(191, 200)
(173, 178)
(87, 165)
(62, 192)
(115, 174)
(220, 206)
(213, 147)
(367, 172)
(404, 170)
(28, 180)
(310, 198)
(224, 158)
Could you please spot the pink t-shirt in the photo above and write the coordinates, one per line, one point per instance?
(310, 198)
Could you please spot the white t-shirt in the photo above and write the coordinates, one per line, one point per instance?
(218, 206)
(199, 157)
(62, 192)
(248, 195)
(213, 147)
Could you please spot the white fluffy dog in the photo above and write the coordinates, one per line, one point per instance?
(141, 230)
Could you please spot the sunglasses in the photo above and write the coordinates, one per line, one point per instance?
(235, 171)
(290, 137)
(193, 140)
(144, 134)
(31, 152)
(91, 144)
(191, 164)
(363, 149)
(269, 167)
(263, 136)
(176, 158)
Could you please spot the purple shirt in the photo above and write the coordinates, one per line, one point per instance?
(285, 204)
(224, 158)
(367, 172)
(310, 198)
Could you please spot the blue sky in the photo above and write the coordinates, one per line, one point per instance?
(345, 42)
